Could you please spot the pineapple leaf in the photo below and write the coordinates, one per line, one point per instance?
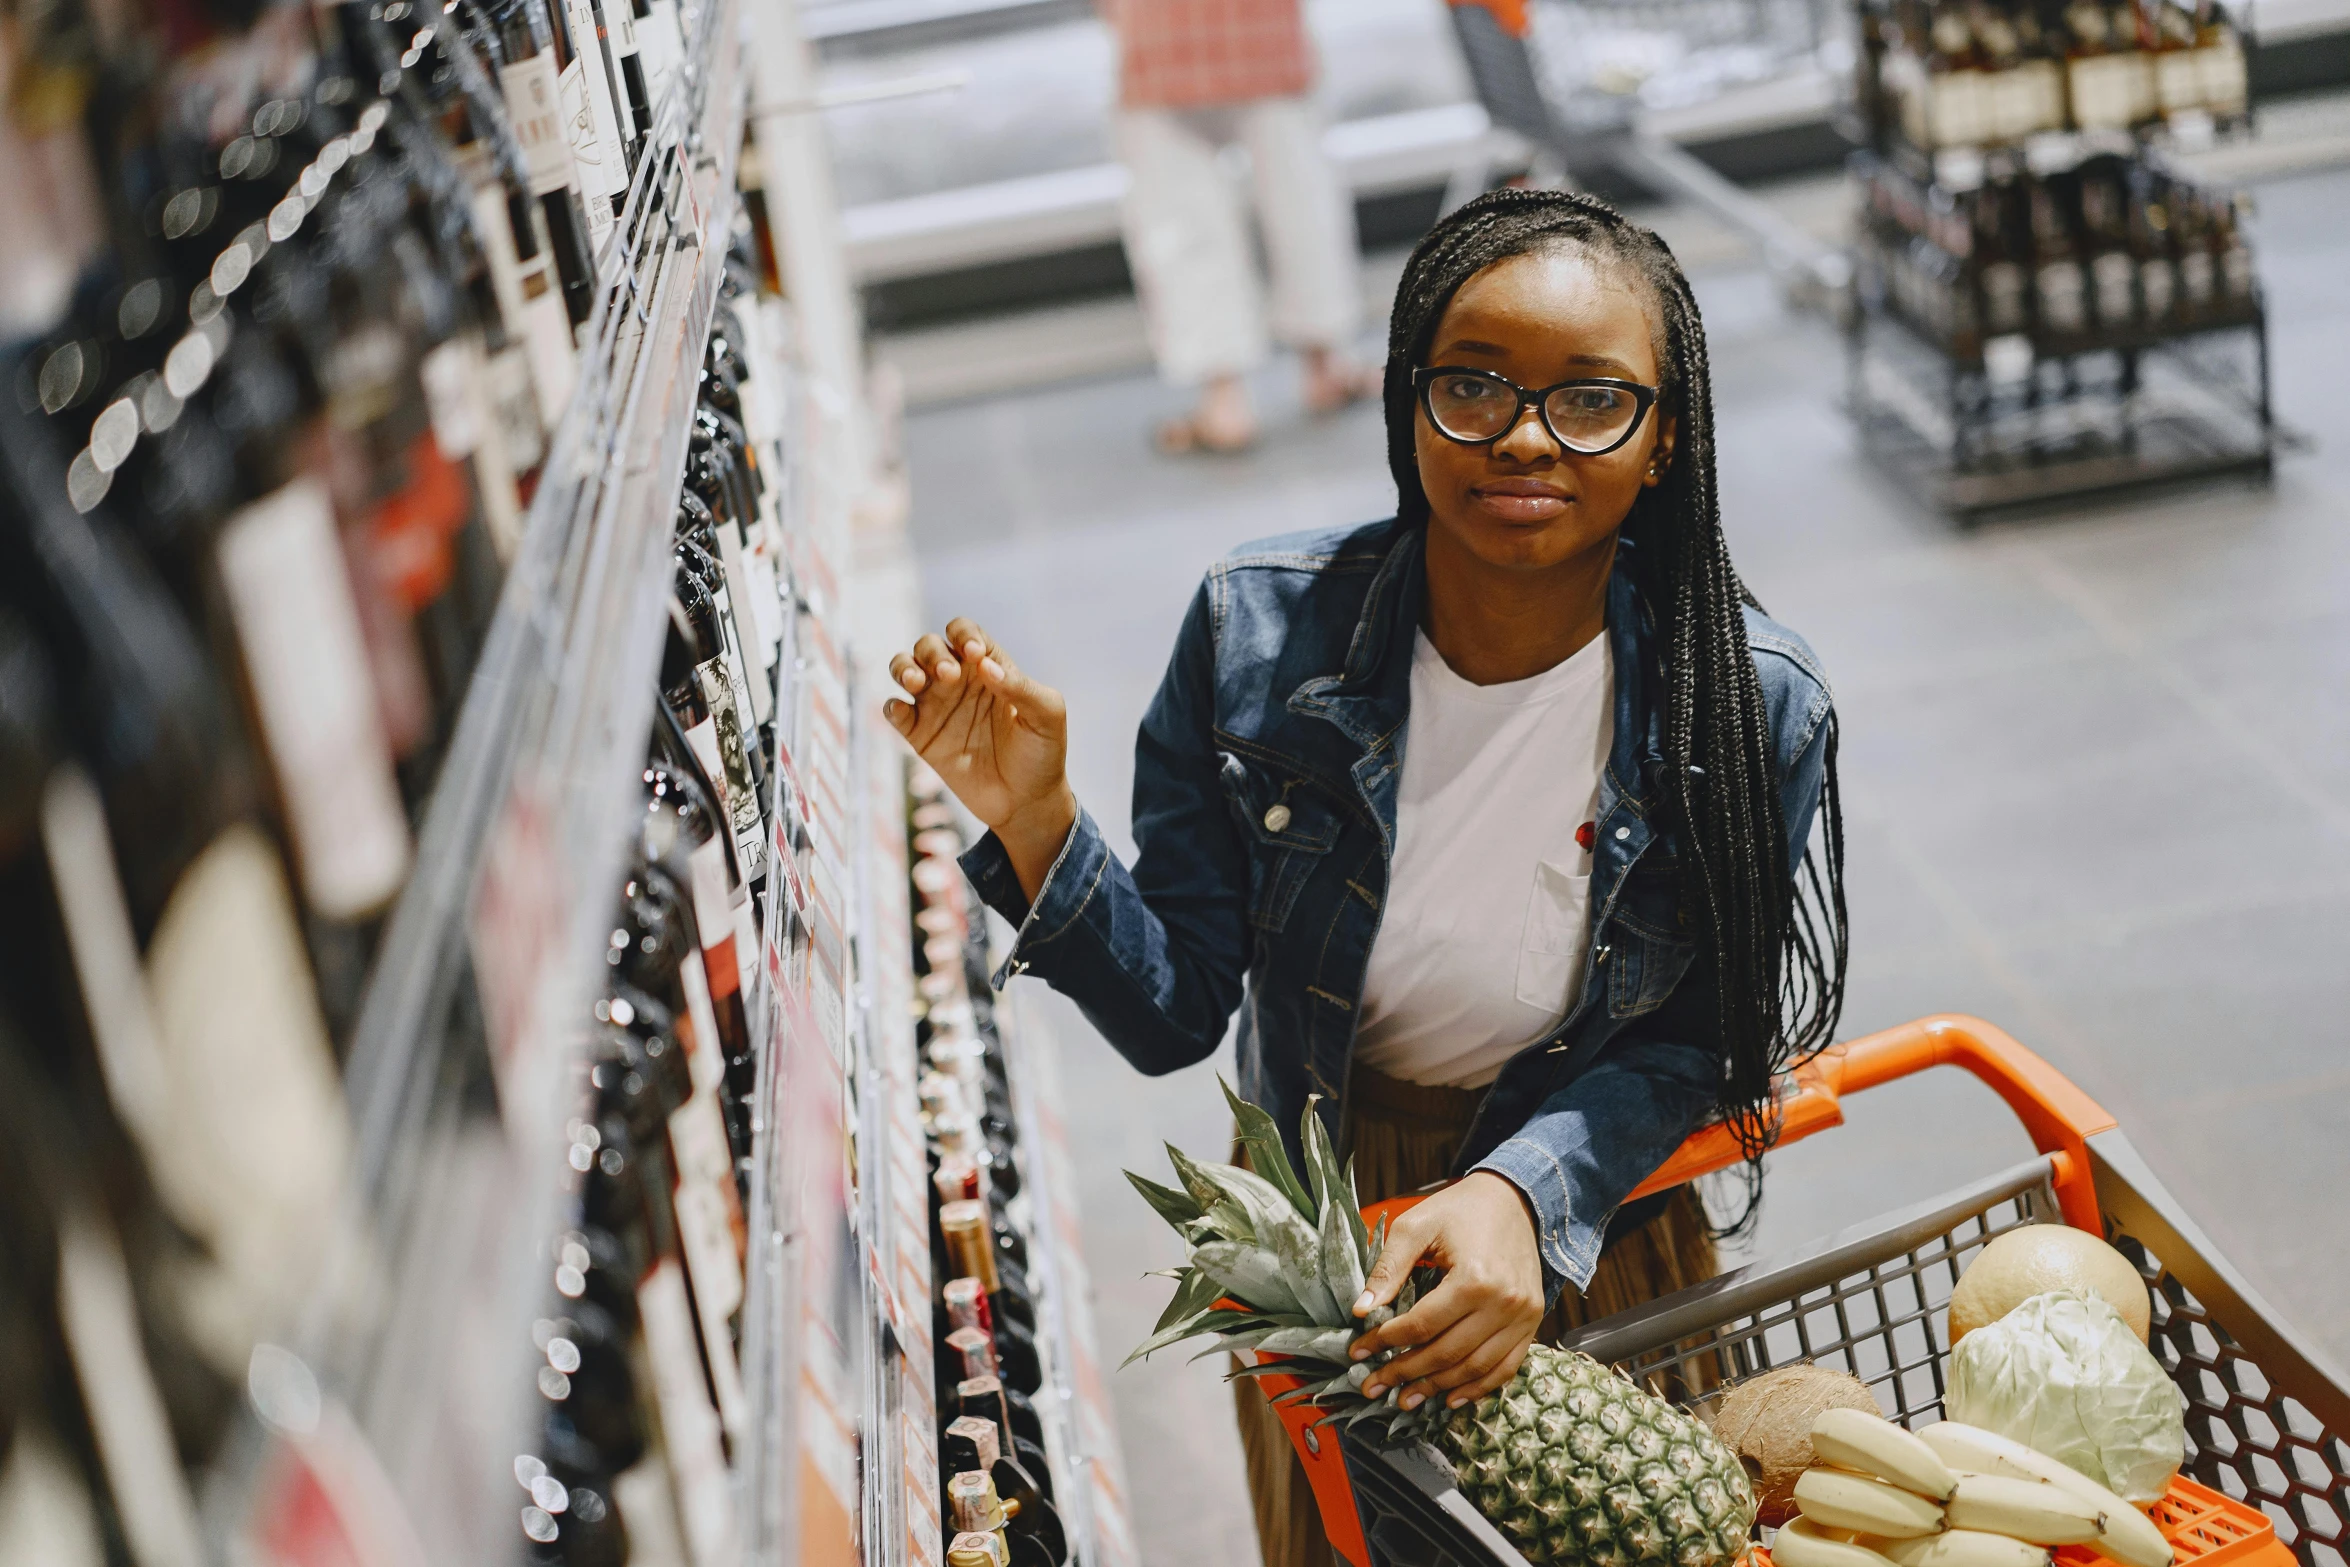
(1177, 1208)
(1332, 1182)
(1195, 1181)
(1266, 1156)
(1250, 1273)
(1314, 1343)
(1342, 1264)
(1175, 1333)
(1210, 1321)
(1195, 1292)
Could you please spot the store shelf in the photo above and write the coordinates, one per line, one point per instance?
(496, 938)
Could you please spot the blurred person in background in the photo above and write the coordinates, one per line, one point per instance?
(1196, 77)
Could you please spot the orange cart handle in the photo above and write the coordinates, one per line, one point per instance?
(2059, 1118)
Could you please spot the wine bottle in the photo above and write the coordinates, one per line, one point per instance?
(528, 73)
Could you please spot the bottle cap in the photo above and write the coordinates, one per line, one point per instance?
(957, 1132)
(972, 1502)
(967, 1304)
(978, 1550)
(957, 1179)
(941, 1094)
(970, 1242)
(982, 1435)
(943, 951)
(977, 1350)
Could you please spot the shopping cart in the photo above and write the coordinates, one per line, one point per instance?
(2267, 1474)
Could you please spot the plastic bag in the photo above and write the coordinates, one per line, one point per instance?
(2063, 1373)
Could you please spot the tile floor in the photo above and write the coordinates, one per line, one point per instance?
(2097, 770)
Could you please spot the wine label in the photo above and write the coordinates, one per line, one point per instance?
(290, 597)
(752, 649)
(2158, 285)
(662, 43)
(2111, 91)
(498, 409)
(2236, 271)
(717, 683)
(746, 945)
(2225, 82)
(261, 1138)
(595, 138)
(690, 1432)
(2195, 278)
(2114, 276)
(547, 340)
(2003, 297)
(2178, 80)
(2063, 301)
(708, 1243)
(766, 605)
(707, 1058)
(451, 371)
(100, 1318)
(534, 101)
(713, 908)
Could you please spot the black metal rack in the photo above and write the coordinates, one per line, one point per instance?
(1979, 423)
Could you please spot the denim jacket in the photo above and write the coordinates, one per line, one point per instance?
(1265, 786)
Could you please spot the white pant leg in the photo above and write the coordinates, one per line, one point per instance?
(1308, 217)
(1188, 246)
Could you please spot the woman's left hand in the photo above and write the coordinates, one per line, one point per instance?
(1473, 1328)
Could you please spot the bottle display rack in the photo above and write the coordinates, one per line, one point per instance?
(2046, 307)
(497, 1134)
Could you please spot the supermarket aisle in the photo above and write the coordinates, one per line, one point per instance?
(2097, 772)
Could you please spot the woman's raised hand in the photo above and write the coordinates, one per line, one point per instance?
(998, 739)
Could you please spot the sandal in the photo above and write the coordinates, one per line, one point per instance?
(1330, 394)
(1181, 437)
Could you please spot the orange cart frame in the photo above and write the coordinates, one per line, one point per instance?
(2267, 1478)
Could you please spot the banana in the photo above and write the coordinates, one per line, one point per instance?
(1856, 1439)
(1835, 1499)
(2026, 1509)
(2130, 1536)
(1800, 1543)
(1966, 1548)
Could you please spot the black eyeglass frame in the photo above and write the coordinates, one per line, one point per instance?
(1424, 377)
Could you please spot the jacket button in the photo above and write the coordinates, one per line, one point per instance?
(1622, 833)
(1276, 818)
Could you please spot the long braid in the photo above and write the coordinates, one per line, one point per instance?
(1776, 935)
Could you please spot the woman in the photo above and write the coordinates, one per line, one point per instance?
(1488, 817)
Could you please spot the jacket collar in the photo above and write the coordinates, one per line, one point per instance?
(1369, 698)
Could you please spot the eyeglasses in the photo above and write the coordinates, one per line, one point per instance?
(1473, 407)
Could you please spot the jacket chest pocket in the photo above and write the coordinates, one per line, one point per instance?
(1287, 829)
(1652, 940)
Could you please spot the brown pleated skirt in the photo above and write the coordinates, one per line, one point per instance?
(1403, 1137)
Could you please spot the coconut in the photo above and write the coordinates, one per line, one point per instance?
(2038, 1258)
(1767, 1422)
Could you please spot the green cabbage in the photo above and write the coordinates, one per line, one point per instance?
(2063, 1373)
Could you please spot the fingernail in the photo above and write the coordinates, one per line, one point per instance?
(1455, 1401)
(995, 671)
(1374, 1390)
(974, 647)
(948, 669)
(1359, 1352)
(1364, 1302)
(1413, 1400)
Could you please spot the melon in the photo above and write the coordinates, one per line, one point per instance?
(2036, 1259)
(1766, 1421)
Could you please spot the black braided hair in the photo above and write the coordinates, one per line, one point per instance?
(1778, 935)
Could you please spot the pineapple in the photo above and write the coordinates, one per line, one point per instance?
(1571, 1460)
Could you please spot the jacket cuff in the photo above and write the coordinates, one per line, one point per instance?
(1068, 888)
(1567, 1240)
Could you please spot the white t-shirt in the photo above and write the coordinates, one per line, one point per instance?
(1480, 951)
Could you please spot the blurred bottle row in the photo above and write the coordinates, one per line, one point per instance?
(1975, 73)
(643, 1406)
(289, 311)
(2110, 253)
